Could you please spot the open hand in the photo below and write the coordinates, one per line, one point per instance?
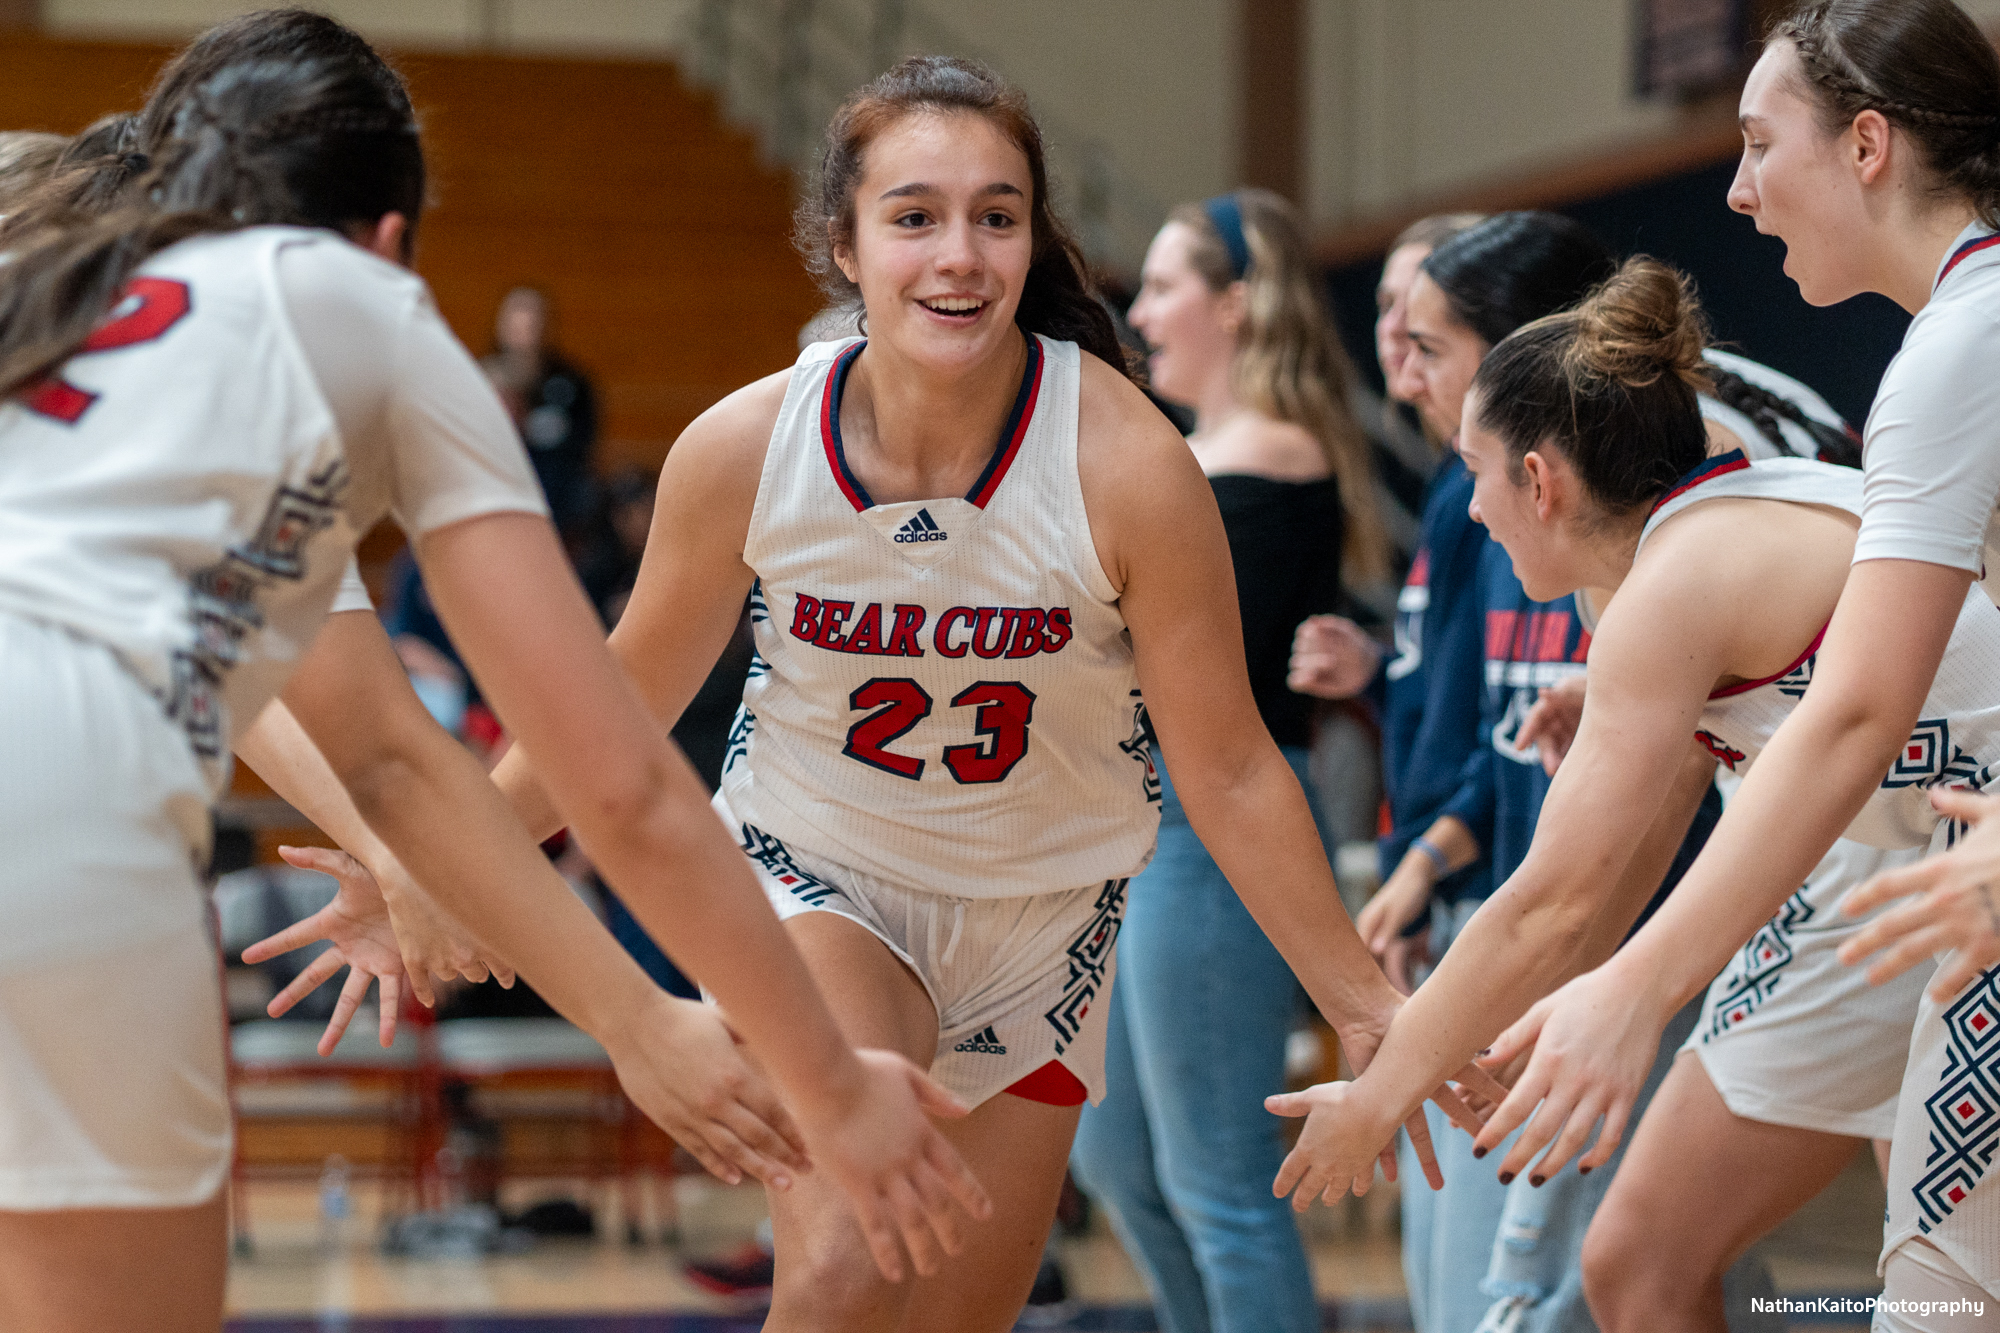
(1592, 1047)
(356, 927)
(683, 1067)
(1953, 907)
(910, 1189)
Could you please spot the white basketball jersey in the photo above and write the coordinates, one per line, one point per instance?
(1956, 741)
(944, 693)
(181, 490)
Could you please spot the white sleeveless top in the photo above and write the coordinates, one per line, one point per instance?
(189, 487)
(944, 693)
(1956, 741)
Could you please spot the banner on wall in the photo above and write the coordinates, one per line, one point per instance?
(1687, 47)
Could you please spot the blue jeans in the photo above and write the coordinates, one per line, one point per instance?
(1181, 1151)
(1536, 1270)
(1447, 1233)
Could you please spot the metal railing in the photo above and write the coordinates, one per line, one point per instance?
(782, 67)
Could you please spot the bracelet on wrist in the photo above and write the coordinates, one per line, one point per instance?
(1440, 863)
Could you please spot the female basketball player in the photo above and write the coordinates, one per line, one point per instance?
(1230, 307)
(204, 416)
(1529, 647)
(970, 542)
(1872, 147)
(1713, 622)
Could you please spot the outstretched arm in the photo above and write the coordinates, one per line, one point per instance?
(1160, 538)
(433, 802)
(1881, 650)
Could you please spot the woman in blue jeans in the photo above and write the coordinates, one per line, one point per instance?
(1181, 1150)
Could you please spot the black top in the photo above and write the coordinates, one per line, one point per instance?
(1284, 540)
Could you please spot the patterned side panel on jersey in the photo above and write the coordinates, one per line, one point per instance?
(1759, 966)
(1089, 958)
(760, 611)
(223, 608)
(1139, 745)
(1929, 759)
(737, 747)
(778, 863)
(1965, 1110)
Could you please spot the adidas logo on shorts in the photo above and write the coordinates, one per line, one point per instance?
(922, 528)
(982, 1043)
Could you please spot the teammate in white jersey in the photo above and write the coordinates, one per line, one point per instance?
(190, 449)
(969, 542)
(1590, 458)
(1872, 148)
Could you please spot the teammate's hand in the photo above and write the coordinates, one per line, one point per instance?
(1593, 1046)
(1340, 1144)
(1551, 724)
(911, 1191)
(1332, 658)
(1956, 907)
(1405, 897)
(432, 941)
(1354, 1134)
(357, 929)
(683, 1067)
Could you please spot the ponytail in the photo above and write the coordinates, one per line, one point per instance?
(306, 144)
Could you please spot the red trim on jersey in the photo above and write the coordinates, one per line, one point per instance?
(1010, 438)
(1052, 1085)
(829, 429)
(1718, 466)
(1746, 686)
(1963, 253)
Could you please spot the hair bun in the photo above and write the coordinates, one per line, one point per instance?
(1641, 325)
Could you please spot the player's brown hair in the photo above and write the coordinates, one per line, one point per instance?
(1058, 299)
(1611, 384)
(1925, 66)
(303, 143)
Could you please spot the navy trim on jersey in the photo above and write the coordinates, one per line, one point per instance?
(1711, 468)
(1963, 253)
(1004, 451)
(1016, 429)
(829, 430)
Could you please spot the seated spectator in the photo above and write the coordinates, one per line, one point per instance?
(552, 402)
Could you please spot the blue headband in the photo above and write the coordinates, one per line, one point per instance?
(1226, 215)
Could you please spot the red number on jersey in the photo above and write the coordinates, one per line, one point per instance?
(902, 704)
(149, 307)
(1005, 709)
(899, 703)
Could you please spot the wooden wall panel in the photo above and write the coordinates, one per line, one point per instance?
(662, 238)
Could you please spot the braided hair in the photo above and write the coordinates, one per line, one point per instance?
(1925, 66)
(1768, 411)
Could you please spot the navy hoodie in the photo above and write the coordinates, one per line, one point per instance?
(1431, 688)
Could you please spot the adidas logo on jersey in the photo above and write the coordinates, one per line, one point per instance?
(922, 528)
(982, 1043)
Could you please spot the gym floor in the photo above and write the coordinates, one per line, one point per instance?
(297, 1278)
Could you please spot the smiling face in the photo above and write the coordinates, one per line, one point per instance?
(1189, 327)
(1392, 310)
(942, 240)
(1444, 356)
(1798, 182)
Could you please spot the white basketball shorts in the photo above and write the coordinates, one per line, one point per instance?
(1791, 1036)
(113, 1092)
(1019, 984)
